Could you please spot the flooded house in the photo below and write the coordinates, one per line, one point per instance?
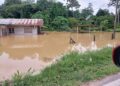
(20, 26)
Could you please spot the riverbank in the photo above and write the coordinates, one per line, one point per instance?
(72, 70)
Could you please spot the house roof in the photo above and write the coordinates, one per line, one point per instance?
(22, 22)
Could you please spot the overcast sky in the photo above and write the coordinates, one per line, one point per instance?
(1, 1)
(96, 4)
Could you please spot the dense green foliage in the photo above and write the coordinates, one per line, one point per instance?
(51, 11)
(105, 22)
(60, 23)
(72, 70)
(73, 22)
(12, 2)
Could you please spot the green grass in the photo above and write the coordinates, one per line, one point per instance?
(72, 70)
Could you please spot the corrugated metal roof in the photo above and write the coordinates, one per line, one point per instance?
(4, 22)
(22, 22)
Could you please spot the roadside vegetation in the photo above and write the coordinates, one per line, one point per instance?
(72, 70)
(58, 16)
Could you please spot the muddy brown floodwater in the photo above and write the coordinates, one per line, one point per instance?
(24, 52)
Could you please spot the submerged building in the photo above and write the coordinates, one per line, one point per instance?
(20, 26)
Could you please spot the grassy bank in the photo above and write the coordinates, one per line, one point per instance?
(73, 70)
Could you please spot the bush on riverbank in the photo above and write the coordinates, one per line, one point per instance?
(73, 70)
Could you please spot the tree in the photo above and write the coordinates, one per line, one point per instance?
(38, 15)
(90, 8)
(1, 9)
(104, 25)
(12, 2)
(44, 4)
(12, 11)
(1, 17)
(105, 21)
(28, 1)
(17, 11)
(60, 23)
(26, 11)
(42, 15)
(73, 22)
(113, 3)
(116, 3)
(57, 9)
(77, 14)
(102, 12)
(86, 12)
(73, 4)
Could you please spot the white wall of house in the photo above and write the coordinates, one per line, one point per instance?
(21, 31)
(0, 32)
(34, 31)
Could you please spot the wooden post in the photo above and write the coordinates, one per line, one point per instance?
(77, 33)
(94, 38)
(34, 29)
(89, 31)
(115, 22)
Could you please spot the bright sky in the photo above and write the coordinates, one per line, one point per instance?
(96, 4)
(1, 1)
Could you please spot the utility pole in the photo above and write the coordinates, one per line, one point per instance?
(115, 22)
(118, 16)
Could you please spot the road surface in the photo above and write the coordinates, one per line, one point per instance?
(113, 80)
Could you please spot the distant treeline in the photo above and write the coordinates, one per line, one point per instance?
(58, 16)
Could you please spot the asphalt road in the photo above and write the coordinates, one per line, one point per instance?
(113, 83)
(113, 80)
